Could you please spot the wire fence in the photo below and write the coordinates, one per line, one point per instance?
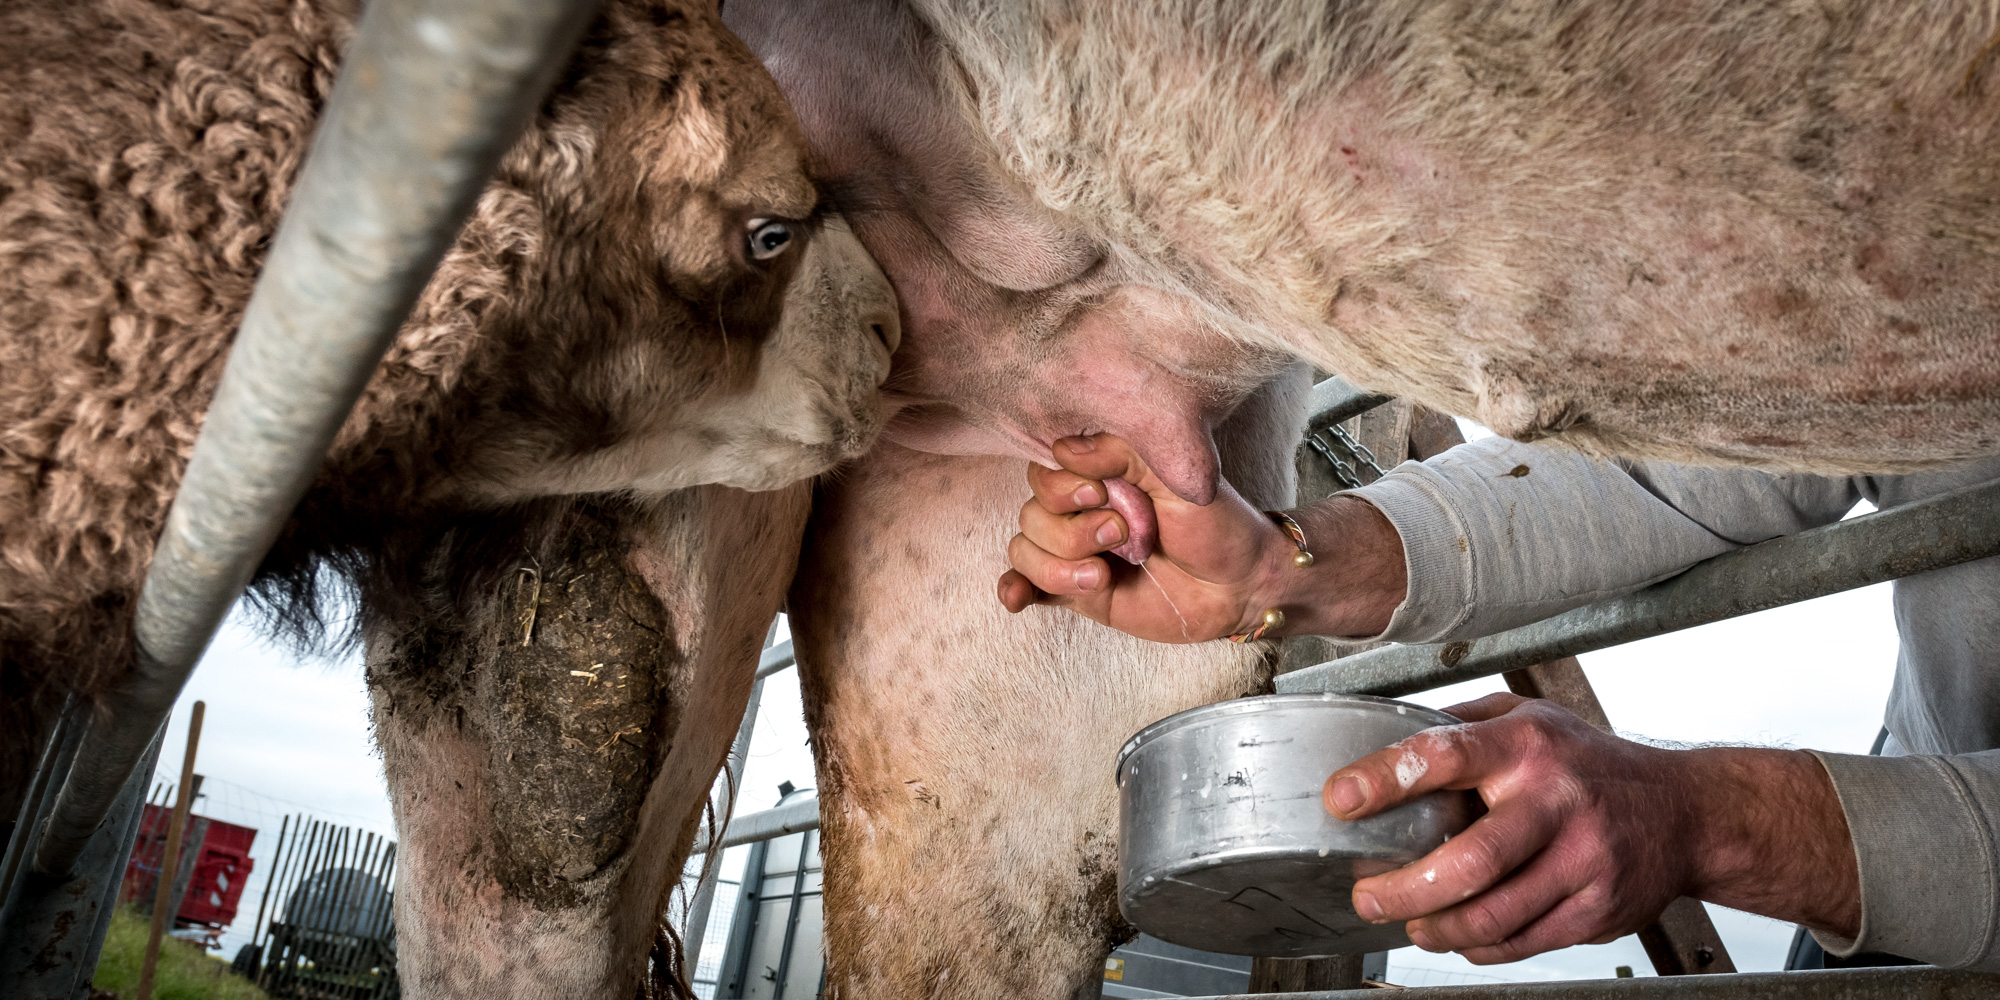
(716, 938)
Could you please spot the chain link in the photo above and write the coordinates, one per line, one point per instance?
(1343, 473)
(1337, 446)
(1359, 450)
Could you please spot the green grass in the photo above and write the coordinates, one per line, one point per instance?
(185, 972)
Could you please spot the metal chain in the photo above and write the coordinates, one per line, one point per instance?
(1359, 450)
(1343, 472)
(1331, 442)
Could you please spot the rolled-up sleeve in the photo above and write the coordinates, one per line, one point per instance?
(1925, 830)
(1497, 534)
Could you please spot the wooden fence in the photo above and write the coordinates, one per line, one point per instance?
(324, 928)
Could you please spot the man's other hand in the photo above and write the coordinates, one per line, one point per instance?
(1587, 837)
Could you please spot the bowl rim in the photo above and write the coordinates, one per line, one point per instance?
(1259, 704)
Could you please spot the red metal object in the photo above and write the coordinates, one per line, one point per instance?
(221, 867)
(219, 874)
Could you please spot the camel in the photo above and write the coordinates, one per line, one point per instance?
(1722, 232)
(651, 312)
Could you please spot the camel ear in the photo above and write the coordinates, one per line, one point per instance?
(696, 147)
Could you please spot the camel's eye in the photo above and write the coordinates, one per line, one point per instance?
(769, 238)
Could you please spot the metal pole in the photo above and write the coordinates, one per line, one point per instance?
(431, 94)
(1335, 401)
(1944, 530)
(792, 917)
(170, 859)
(1908, 983)
(711, 872)
(192, 836)
(696, 929)
(54, 926)
(775, 659)
(769, 824)
(154, 831)
(56, 755)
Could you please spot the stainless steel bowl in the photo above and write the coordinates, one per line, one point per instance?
(1225, 845)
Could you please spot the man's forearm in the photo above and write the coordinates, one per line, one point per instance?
(1771, 837)
(1357, 576)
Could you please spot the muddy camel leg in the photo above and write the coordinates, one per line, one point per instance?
(549, 758)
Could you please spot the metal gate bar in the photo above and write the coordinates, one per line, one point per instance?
(1920, 982)
(54, 925)
(1335, 401)
(431, 93)
(1944, 530)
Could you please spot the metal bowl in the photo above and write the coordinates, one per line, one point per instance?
(1225, 845)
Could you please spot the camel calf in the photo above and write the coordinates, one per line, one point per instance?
(651, 305)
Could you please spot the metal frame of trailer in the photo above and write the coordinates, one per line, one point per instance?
(431, 94)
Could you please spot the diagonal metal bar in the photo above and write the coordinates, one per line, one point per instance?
(694, 931)
(1910, 983)
(1336, 400)
(431, 94)
(1944, 530)
(775, 659)
(769, 824)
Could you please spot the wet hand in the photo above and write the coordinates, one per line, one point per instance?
(1587, 837)
(1208, 571)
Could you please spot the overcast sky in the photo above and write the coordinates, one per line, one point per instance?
(285, 735)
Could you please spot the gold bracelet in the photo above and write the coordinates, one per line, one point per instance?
(1274, 618)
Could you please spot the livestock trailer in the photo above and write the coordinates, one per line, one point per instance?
(214, 866)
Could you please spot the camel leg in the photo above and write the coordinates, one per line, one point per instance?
(549, 759)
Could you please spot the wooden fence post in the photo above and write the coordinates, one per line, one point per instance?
(171, 857)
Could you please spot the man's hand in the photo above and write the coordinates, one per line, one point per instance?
(1214, 569)
(1587, 837)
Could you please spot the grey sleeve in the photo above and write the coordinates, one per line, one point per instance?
(1925, 831)
(1498, 534)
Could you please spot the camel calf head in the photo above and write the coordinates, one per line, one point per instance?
(650, 300)
(653, 294)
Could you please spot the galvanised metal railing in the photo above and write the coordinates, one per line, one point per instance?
(1945, 530)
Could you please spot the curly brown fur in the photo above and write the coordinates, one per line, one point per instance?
(597, 327)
